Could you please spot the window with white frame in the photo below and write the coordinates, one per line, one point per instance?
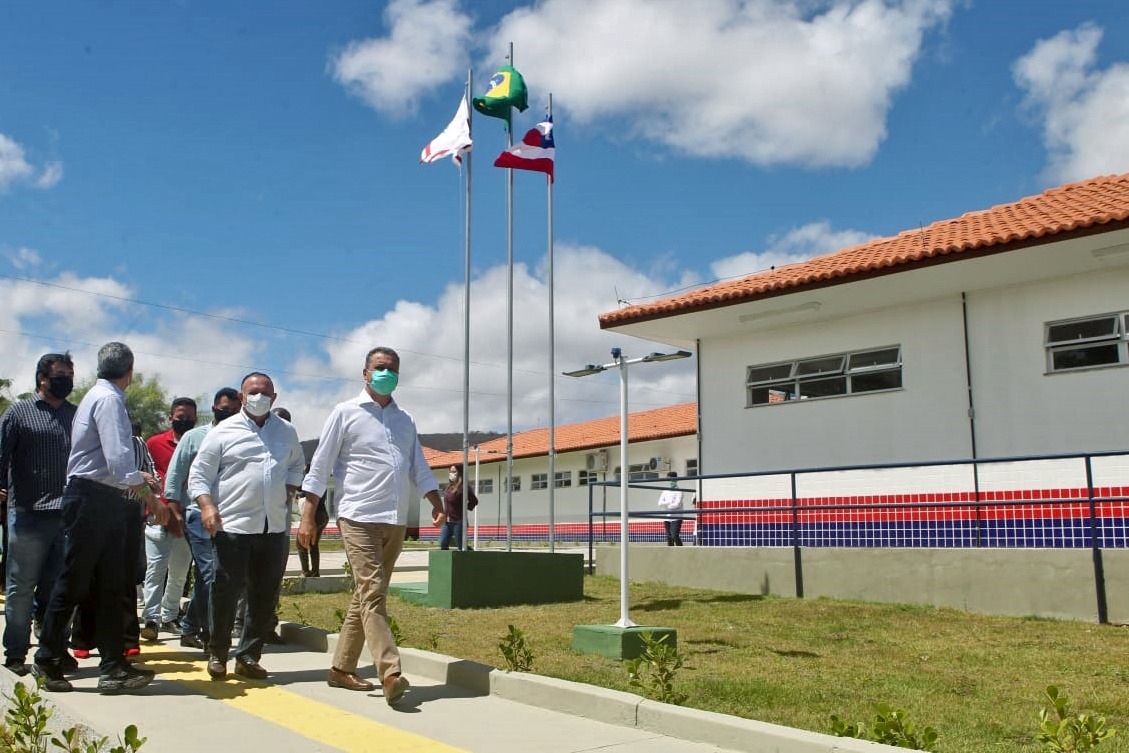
(583, 478)
(513, 484)
(539, 481)
(485, 486)
(1086, 343)
(692, 467)
(562, 479)
(835, 375)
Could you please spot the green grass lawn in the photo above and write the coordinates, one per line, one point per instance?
(977, 679)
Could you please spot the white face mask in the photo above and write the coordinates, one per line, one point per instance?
(452, 477)
(257, 405)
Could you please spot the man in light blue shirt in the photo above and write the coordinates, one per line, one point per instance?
(194, 625)
(243, 475)
(101, 471)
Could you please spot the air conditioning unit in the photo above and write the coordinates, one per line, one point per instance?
(656, 462)
(596, 461)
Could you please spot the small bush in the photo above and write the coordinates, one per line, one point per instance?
(891, 726)
(518, 655)
(654, 670)
(1066, 733)
(24, 729)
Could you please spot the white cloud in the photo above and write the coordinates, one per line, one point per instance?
(429, 339)
(797, 244)
(426, 46)
(1084, 110)
(23, 258)
(51, 175)
(195, 355)
(767, 81)
(13, 165)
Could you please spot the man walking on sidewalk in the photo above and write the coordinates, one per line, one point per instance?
(100, 471)
(243, 475)
(371, 448)
(35, 441)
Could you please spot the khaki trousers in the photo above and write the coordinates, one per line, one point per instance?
(372, 549)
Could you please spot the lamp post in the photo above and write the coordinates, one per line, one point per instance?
(622, 363)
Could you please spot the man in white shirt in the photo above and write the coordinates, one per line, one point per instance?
(245, 470)
(371, 447)
(671, 499)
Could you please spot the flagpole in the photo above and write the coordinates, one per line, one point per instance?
(552, 371)
(510, 331)
(466, 323)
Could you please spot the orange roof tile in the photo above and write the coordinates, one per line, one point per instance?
(1075, 209)
(660, 423)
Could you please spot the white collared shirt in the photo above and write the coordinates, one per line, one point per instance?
(246, 468)
(376, 458)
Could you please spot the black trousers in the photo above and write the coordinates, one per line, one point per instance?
(245, 560)
(96, 519)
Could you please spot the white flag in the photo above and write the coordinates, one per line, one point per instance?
(454, 140)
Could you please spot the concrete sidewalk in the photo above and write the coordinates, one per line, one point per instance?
(453, 705)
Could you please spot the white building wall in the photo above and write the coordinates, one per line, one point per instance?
(1020, 408)
(925, 420)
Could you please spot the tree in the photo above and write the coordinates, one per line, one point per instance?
(5, 395)
(145, 399)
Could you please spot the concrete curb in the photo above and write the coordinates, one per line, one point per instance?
(603, 705)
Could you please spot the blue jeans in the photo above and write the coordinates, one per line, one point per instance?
(252, 561)
(200, 544)
(166, 557)
(451, 531)
(35, 558)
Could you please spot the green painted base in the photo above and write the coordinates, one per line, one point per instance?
(457, 579)
(617, 642)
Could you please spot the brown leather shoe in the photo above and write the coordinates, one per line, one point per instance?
(249, 668)
(339, 678)
(394, 687)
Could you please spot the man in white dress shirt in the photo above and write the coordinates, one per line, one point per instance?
(246, 469)
(372, 449)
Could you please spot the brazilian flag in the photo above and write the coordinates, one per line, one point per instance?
(505, 90)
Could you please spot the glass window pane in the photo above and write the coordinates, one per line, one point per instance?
(876, 380)
(1078, 358)
(826, 365)
(823, 387)
(766, 373)
(1086, 329)
(884, 357)
(779, 393)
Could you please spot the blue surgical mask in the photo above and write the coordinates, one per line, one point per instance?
(383, 381)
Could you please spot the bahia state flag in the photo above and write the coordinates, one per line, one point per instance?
(454, 141)
(535, 151)
(505, 90)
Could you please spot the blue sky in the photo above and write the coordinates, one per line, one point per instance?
(257, 162)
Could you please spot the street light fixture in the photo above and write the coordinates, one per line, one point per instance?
(622, 363)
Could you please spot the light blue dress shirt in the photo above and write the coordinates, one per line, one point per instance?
(101, 439)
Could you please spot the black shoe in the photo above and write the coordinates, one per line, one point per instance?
(16, 667)
(68, 664)
(217, 669)
(150, 631)
(52, 677)
(249, 668)
(170, 627)
(191, 641)
(123, 678)
(273, 638)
